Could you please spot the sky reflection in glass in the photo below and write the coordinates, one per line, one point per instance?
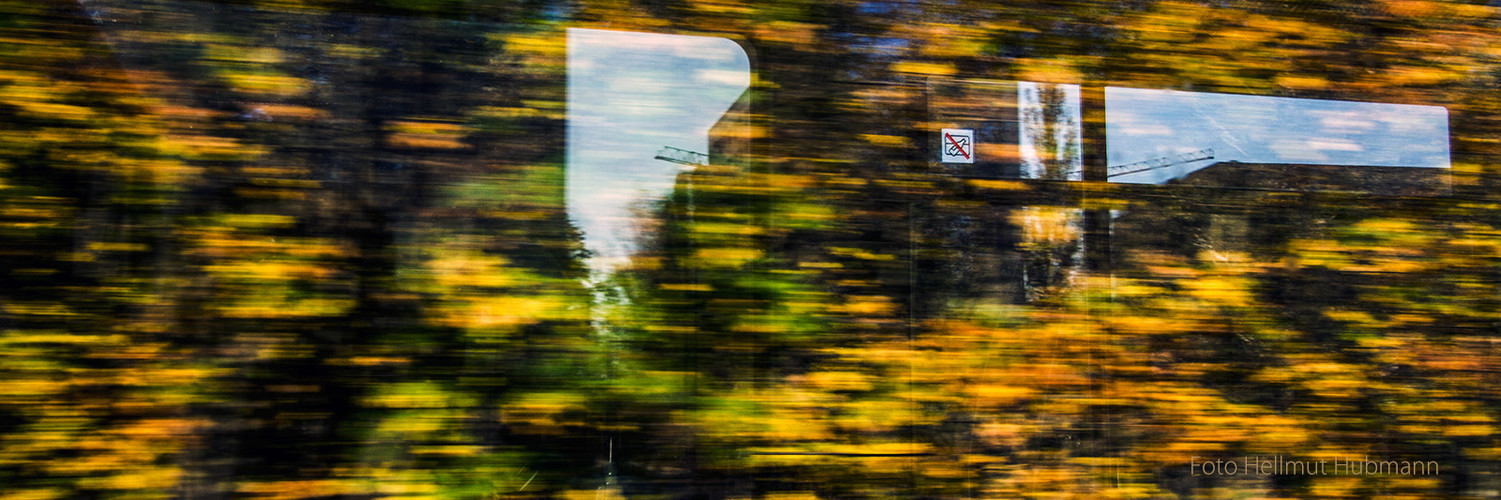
(1142, 125)
(629, 95)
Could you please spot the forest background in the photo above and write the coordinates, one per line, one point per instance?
(319, 249)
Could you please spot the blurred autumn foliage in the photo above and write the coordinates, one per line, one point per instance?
(318, 249)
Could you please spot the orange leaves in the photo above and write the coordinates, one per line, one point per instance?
(787, 32)
(995, 396)
(946, 41)
(426, 134)
(866, 306)
(207, 147)
(290, 490)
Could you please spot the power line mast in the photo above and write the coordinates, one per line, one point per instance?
(1161, 162)
(683, 156)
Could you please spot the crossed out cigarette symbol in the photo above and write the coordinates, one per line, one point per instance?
(958, 146)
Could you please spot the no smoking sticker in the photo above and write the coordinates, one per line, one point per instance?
(958, 145)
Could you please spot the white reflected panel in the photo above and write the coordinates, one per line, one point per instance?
(629, 95)
(1051, 132)
(1164, 133)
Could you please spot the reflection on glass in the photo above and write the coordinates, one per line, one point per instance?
(1051, 131)
(1022, 130)
(1050, 250)
(1161, 136)
(1009, 255)
(632, 96)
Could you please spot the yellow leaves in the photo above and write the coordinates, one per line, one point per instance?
(505, 113)
(206, 147)
(1411, 8)
(802, 214)
(1222, 291)
(487, 295)
(601, 493)
(1051, 70)
(39, 98)
(271, 271)
(924, 68)
(251, 69)
(1175, 41)
(281, 307)
(167, 174)
(727, 7)
(860, 254)
(54, 110)
(878, 415)
(724, 257)
(416, 395)
(1420, 76)
(1047, 226)
(1469, 430)
(1358, 317)
(866, 305)
(1322, 376)
(291, 490)
(544, 413)
(1301, 82)
(502, 313)
(140, 478)
(266, 84)
(227, 242)
(839, 381)
(1385, 227)
(37, 309)
(1167, 21)
(258, 275)
(727, 228)
(470, 268)
(889, 141)
(244, 54)
(426, 134)
(946, 41)
(1486, 453)
(1378, 246)
(787, 32)
(34, 494)
(160, 428)
(285, 112)
(12, 338)
(686, 287)
(541, 49)
(798, 495)
(999, 185)
(1003, 434)
(1471, 11)
(1150, 325)
(31, 390)
(994, 396)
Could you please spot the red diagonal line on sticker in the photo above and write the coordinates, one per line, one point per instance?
(956, 145)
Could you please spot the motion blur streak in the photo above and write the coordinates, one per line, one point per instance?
(334, 249)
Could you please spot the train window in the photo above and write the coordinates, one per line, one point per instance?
(640, 110)
(1207, 139)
